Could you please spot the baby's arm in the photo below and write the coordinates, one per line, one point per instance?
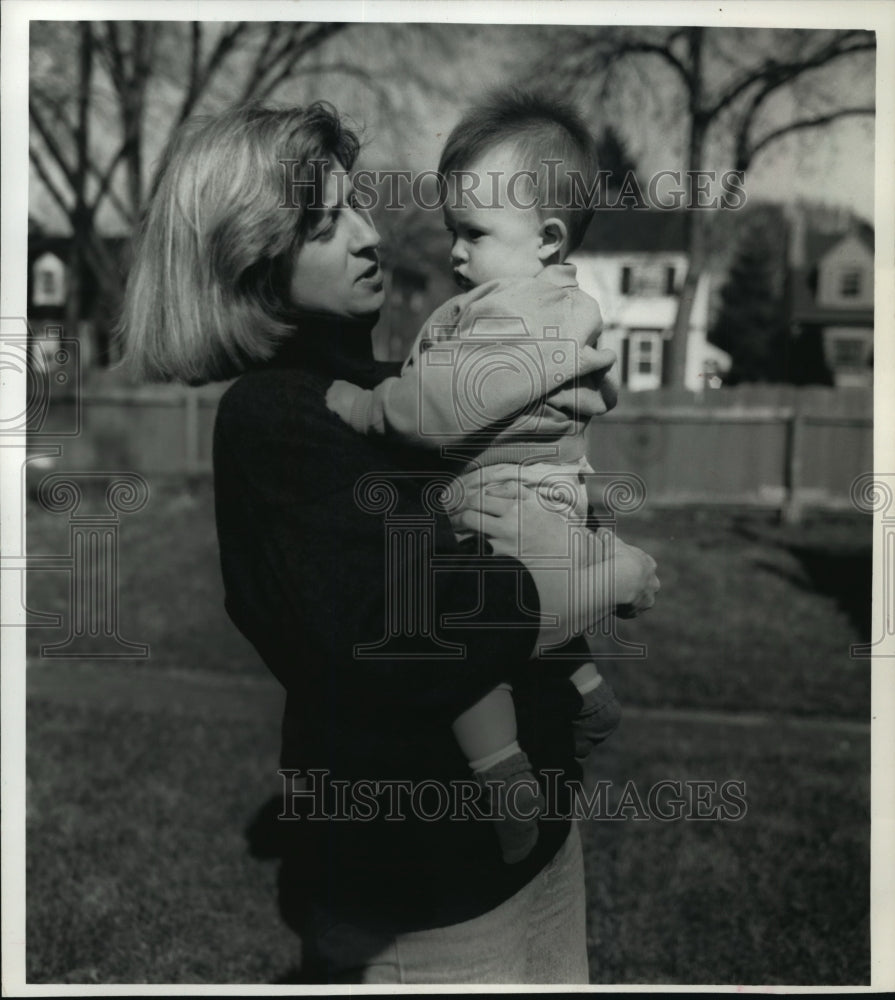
(461, 385)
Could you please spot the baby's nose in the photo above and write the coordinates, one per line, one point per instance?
(458, 252)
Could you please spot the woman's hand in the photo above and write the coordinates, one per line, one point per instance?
(581, 576)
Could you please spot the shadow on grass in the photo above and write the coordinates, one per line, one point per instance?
(847, 577)
(835, 559)
(266, 842)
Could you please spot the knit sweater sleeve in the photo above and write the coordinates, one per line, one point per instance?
(313, 576)
(514, 343)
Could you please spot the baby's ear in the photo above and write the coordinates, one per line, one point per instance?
(554, 237)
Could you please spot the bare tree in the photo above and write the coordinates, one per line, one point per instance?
(98, 88)
(726, 81)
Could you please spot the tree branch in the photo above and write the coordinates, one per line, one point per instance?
(265, 58)
(48, 182)
(778, 74)
(225, 44)
(642, 47)
(296, 49)
(797, 126)
(105, 179)
(114, 55)
(195, 59)
(50, 142)
(82, 130)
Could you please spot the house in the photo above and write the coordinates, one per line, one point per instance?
(634, 262)
(49, 288)
(830, 299)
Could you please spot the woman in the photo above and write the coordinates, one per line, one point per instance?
(344, 574)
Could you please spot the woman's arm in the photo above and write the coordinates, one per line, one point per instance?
(313, 573)
(581, 576)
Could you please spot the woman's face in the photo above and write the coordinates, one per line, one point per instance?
(336, 270)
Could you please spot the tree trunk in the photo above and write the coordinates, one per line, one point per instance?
(74, 292)
(694, 242)
(80, 215)
(694, 239)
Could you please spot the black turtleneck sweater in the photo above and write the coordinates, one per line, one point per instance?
(308, 575)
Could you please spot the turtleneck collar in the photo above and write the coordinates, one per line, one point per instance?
(333, 345)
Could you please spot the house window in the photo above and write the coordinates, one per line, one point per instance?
(48, 284)
(850, 284)
(49, 281)
(645, 359)
(648, 280)
(848, 352)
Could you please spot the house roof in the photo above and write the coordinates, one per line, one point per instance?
(816, 244)
(810, 313)
(819, 242)
(634, 231)
(662, 231)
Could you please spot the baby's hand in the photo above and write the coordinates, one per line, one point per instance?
(341, 397)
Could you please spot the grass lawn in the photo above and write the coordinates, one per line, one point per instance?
(144, 775)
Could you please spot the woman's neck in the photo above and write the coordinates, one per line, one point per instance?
(337, 345)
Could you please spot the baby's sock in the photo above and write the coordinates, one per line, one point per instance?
(513, 796)
(598, 717)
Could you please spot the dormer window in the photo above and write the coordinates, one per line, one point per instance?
(850, 283)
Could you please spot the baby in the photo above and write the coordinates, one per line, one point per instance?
(500, 349)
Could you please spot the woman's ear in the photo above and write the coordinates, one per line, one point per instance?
(554, 236)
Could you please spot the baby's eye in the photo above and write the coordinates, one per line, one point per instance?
(475, 234)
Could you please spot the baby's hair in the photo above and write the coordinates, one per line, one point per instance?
(207, 295)
(540, 128)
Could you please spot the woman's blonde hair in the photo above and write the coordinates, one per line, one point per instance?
(207, 293)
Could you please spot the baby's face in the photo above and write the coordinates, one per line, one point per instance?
(494, 235)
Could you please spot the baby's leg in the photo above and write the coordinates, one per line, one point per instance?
(486, 733)
(488, 728)
(563, 486)
(600, 712)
